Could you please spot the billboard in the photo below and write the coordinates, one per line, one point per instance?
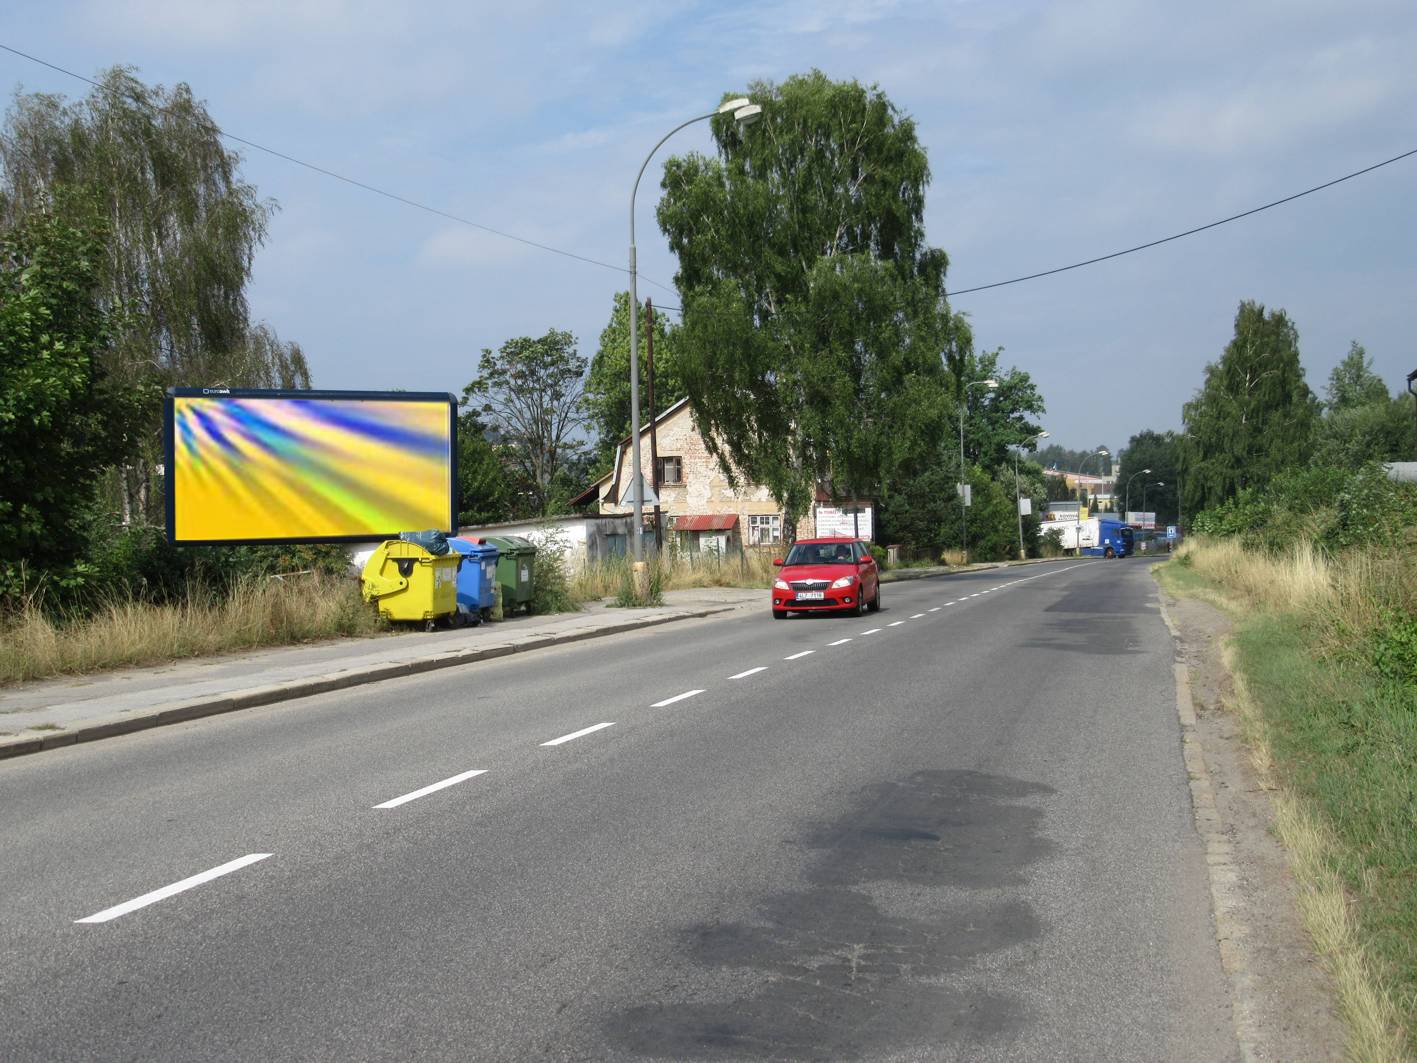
(1144, 521)
(308, 466)
(845, 521)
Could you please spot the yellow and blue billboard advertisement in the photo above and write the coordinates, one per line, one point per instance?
(308, 466)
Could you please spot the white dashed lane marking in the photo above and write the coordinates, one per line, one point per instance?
(676, 697)
(431, 788)
(577, 734)
(797, 656)
(169, 891)
(750, 671)
(839, 642)
(896, 623)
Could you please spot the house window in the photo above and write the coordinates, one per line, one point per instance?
(670, 470)
(763, 530)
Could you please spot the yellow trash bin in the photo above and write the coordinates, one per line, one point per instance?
(410, 585)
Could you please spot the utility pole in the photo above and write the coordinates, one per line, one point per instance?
(653, 422)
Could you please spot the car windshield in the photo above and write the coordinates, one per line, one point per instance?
(821, 554)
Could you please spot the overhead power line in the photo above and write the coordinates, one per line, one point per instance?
(1189, 232)
(364, 185)
(622, 269)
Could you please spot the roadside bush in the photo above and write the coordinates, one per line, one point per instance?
(1393, 646)
(1333, 508)
(551, 592)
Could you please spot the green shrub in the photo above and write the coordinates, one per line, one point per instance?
(1393, 646)
(551, 590)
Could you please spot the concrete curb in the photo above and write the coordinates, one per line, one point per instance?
(182, 711)
(1221, 867)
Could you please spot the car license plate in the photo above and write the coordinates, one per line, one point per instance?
(811, 596)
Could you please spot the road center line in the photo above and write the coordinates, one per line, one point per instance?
(169, 891)
(896, 623)
(750, 671)
(934, 609)
(577, 734)
(839, 642)
(433, 788)
(676, 697)
(916, 616)
(797, 656)
(871, 632)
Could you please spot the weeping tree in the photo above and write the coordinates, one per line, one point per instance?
(182, 229)
(814, 311)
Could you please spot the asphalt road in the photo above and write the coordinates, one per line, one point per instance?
(957, 829)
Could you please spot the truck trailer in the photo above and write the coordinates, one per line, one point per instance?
(1100, 536)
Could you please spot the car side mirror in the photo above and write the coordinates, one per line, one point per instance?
(867, 559)
(777, 561)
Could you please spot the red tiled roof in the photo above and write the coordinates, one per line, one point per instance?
(705, 522)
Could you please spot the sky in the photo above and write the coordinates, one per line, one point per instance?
(1055, 133)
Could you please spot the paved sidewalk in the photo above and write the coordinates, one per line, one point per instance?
(54, 712)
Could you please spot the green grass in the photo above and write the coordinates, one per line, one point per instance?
(1345, 739)
(1338, 732)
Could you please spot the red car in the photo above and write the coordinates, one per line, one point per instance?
(826, 574)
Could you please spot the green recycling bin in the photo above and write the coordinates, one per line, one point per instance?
(516, 569)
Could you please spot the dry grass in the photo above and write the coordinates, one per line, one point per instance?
(1347, 593)
(604, 579)
(266, 612)
(1373, 1017)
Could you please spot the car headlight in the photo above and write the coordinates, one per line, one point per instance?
(780, 585)
(845, 581)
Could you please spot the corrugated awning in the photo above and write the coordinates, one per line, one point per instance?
(699, 522)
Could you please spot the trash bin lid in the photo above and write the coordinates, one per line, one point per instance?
(472, 548)
(512, 544)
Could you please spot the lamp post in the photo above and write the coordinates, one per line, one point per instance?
(1133, 476)
(1100, 452)
(991, 384)
(1144, 486)
(746, 112)
(1018, 494)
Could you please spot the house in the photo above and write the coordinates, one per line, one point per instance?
(700, 509)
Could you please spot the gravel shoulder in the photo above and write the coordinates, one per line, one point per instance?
(1286, 1005)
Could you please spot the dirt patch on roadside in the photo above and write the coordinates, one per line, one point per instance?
(1286, 1006)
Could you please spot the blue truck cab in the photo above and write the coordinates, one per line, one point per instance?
(1114, 539)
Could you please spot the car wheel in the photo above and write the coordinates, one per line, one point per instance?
(779, 614)
(859, 609)
(875, 604)
(1109, 552)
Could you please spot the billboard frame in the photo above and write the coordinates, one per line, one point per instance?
(169, 438)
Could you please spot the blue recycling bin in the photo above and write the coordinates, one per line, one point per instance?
(476, 578)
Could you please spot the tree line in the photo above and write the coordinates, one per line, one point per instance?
(1255, 422)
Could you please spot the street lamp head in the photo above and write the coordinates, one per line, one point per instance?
(991, 383)
(747, 115)
(1146, 470)
(733, 105)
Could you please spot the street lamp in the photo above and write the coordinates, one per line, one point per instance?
(1144, 486)
(745, 112)
(1130, 478)
(1100, 452)
(991, 384)
(1018, 496)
